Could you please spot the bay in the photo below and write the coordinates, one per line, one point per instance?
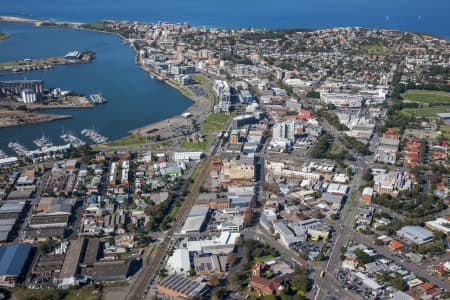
(134, 99)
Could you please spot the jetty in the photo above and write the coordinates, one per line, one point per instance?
(94, 136)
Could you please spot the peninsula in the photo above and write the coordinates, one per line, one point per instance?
(74, 57)
(10, 117)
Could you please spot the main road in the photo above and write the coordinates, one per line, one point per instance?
(344, 227)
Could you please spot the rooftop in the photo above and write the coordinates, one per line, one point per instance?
(13, 258)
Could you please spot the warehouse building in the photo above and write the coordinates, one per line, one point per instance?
(195, 220)
(415, 234)
(178, 286)
(14, 261)
(70, 268)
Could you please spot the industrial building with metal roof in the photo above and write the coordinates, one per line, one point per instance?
(13, 260)
(180, 286)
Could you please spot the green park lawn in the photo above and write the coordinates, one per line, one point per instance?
(445, 129)
(215, 122)
(426, 112)
(427, 97)
(130, 140)
(194, 146)
(376, 48)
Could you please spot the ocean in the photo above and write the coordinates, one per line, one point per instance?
(410, 15)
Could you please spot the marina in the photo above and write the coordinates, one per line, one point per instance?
(42, 142)
(97, 98)
(127, 89)
(18, 148)
(3, 154)
(94, 136)
(72, 139)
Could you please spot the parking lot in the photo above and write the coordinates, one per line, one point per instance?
(198, 90)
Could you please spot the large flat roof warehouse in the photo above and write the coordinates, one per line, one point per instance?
(193, 224)
(225, 239)
(198, 211)
(180, 286)
(179, 261)
(415, 234)
(70, 266)
(13, 259)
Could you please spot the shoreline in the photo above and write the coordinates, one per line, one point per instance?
(200, 108)
(150, 129)
(13, 118)
(37, 22)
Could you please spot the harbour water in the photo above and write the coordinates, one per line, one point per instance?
(410, 15)
(134, 99)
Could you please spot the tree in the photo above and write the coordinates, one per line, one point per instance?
(367, 175)
(378, 242)
(349, 172)
(322, 146)
(399, 283)
(214, 280)
(248, 216)
(46, 246)
(363, 257)
(320, 256)
(131, 227)
(219, 293)
(163, 273)
(231, 259)
(313, 94)
(301, 283)
(331, 106)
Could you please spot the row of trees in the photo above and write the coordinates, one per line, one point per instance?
(351, 143)
(331, 118)
(159, 215)
(322, 147)
(412, 204)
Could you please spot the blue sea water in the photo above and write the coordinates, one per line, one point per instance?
(411, 15)
(134, 99)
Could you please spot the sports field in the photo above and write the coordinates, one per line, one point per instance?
(430, 102)
(427, 97)
(426, 112)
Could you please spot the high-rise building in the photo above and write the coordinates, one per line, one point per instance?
(284, 131)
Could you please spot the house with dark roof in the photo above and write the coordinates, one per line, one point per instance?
(13, 263)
